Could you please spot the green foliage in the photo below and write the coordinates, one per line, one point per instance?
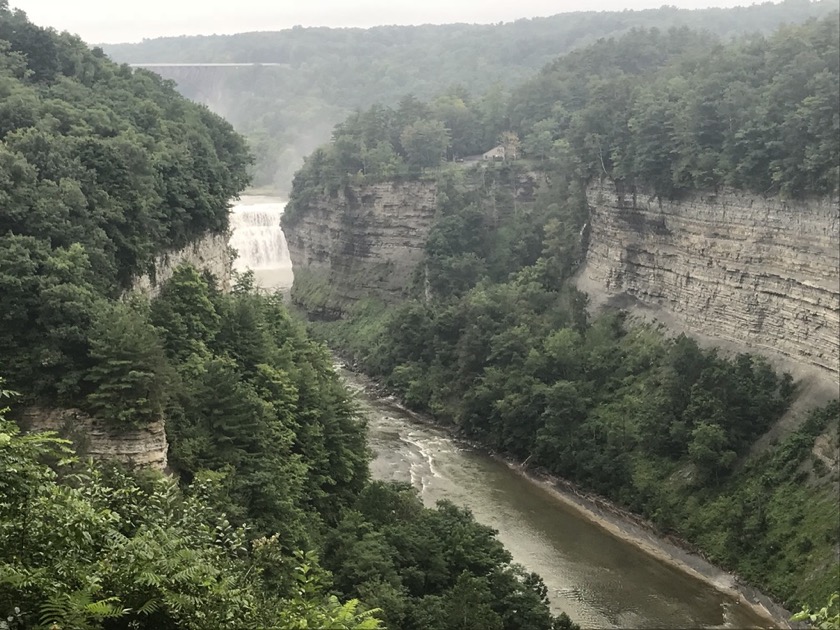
(273, 457)
(287, 110)
(657, 424)
(425, 142)
(184, 313)
(102, 168)
(431, 568)
(826, 618)
(129, 368)
(497, 342)
(82, 546)
(658, 111)
(668, 111)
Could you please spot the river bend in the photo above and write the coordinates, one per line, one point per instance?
(598, 579)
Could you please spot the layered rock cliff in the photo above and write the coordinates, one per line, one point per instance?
(762, 273)
(209, 253)
(754, 273)
(143, 447)
(363, 242)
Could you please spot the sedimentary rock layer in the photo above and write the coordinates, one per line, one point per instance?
(209, 253)
(364, 242)
(135, 447)
(764, 273)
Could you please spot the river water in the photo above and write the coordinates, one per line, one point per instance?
(598, 579)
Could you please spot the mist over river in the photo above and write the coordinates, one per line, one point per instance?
(598, 579)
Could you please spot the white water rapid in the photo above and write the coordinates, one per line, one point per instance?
(259, 241)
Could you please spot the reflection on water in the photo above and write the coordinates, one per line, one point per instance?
(598, 579)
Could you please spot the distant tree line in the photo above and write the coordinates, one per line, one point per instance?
(678, 110)
(663, 112)
(287, 111)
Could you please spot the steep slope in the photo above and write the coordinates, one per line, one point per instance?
(363, 242)
(110, 180)
(761, 272)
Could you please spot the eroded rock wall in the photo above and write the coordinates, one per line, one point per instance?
(145, 447)
(210, 253)
(364, 242)
(763, 273)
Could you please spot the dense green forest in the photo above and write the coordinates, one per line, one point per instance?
(664, 112)
(276, 517)
(286, 111)
(494, 339)
(268, 519)
(103, 168)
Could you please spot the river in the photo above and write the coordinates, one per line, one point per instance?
(599, 579)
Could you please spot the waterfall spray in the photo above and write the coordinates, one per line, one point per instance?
(260, 243)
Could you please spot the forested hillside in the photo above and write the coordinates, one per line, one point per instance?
(287, 111)
(103, 168)
(663, 112)
(268, 518)
(495, 340)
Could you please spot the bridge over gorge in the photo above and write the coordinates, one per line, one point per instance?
(155, 65)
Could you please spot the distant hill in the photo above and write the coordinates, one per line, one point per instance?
(287, 110)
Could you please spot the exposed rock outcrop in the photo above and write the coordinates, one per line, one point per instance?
(363, 242)
(763, 273)
(741, 270)
(143, 447)
(210, 253)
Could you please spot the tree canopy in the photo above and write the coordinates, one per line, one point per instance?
(322, 75)
(103, 168)
(269, 519)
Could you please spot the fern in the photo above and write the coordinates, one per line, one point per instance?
(150, 607)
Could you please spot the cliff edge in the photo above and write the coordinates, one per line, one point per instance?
(363, 242)
(762, 273)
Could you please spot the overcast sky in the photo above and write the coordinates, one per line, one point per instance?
(111, 21)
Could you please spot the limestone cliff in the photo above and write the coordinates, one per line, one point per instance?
(365, 241)
(748, 272)
(144, 447)
(210, 253)
(762, 273)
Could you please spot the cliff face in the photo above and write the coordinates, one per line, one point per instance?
(366, 241)
(753, 273)
(146, 447)
(762, 273)
(210, 253)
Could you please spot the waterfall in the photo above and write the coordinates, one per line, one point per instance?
(259, 241)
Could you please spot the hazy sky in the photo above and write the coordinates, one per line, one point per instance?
(110, 21)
